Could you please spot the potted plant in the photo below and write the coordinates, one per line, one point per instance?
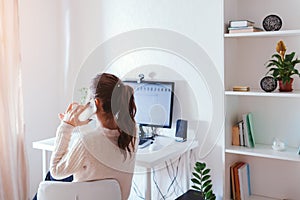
(202, 184)
(202, 181)
(282, 67)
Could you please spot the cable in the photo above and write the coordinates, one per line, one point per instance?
(137, 191)
(154, 180)
(172, 170)
(178, 185)
(175, 177)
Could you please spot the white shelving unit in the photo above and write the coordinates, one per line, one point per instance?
(265, 151)
(261, 93)
(273, 174)
(264, 34)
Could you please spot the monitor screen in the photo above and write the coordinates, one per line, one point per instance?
(154, 102)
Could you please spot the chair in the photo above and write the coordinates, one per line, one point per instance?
(108, 189)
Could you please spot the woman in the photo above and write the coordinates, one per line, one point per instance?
(108, 152)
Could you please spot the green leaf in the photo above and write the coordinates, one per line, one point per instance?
(294, 62)
(213, 197)
(275, 72)
(289, 57)
(207, 189)
(206, 171)
(195, 181)
(196, 187)
(200, 165)
(196, 175)
(273, 63)
(296, 71)
(208, 194)
(197, 169)
(277, 56)
(206, 177)
(206, 183)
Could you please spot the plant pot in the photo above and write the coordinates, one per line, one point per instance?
(191, 195)
(287, 86)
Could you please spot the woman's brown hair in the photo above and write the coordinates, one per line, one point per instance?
(117, 99)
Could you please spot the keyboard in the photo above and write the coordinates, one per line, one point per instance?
(144, 142)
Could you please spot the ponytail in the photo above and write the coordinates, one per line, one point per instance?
(123, 109)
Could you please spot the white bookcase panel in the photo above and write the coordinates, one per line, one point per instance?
(272, 117)
(274, 175)
(245, 59)
(281, 33)
(269, 178)
(261, 93)
(266, 151)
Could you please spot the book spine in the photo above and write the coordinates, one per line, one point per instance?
(232, 181)
(251, 130)
(240, 23)
(242, 182)
(246, 132)
(248, 175)
(244, 178)
(235, 135)
(244, 30)
(242, 137)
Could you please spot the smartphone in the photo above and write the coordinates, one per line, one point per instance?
(89, 111)
(181, 130)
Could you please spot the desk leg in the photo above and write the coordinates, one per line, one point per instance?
(187, 170)
(44, 160)
(148, 184)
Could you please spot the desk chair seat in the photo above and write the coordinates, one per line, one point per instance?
(103, 189)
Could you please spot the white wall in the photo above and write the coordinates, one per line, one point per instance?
(58, 37)
(201, 21)
(41, 49)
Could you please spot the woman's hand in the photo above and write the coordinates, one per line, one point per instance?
(72, 113)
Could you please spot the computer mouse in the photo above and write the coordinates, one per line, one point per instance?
(155, 146)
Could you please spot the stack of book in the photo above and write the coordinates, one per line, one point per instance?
(240, 181)
(241, 88)
(242, 26)
(243, 132)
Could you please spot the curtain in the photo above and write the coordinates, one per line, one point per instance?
(13, 166)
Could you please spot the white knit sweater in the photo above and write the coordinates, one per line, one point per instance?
(93, 156)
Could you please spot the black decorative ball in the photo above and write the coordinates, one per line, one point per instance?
(272, 23)
(268, 84)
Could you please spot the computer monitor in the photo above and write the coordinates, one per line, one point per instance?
(154, 102)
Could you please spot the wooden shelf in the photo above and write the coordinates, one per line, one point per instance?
(261, 93)
(264, 34)
(265, 151)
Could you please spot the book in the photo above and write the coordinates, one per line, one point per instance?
(244, 180)
(240, 23)
(232, 180)
(237, 181)
(235, 135)
(251, 129)
(244, 29)
(241, 129)
(241, 88)
(248, 130)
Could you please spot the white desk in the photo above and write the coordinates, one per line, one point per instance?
(145, 157)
